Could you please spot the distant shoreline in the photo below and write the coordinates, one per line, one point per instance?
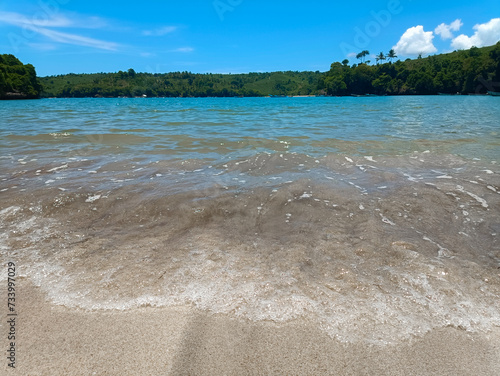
(474, 71)
(277, 97)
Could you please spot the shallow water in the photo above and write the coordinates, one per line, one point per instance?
(376, 218)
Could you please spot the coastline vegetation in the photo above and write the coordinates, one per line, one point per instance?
(180, 84)
(473, 71)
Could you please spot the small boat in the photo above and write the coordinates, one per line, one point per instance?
(494, 93)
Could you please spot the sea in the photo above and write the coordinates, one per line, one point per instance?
(376, 219)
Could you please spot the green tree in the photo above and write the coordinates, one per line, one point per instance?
(381, 84)
(361, 79)
(380, 57)
(391, 55)
(335, 86)
(362, 55)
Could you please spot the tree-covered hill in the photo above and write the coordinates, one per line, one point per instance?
(17, 81)
(473, 71)
(180, 84)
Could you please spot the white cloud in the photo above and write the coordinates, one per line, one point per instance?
(415, 41)
(74, 39)
(21, 20)
(183, 49)
(56, 20)
(43, 25)
(159, 31)
(446, 30)
(485, 35)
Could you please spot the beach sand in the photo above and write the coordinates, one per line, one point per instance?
(54, 340)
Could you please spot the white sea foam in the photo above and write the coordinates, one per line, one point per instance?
(58, 168)
(224, 286)
(93, 198)
(482, 201)
(387, 220)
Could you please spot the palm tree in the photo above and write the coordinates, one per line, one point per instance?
(391, 55)
(380, 57)
(361, 56)
(366, 53)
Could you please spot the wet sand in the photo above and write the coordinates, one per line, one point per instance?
(54, 340)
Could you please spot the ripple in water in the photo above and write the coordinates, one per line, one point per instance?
(370, 248)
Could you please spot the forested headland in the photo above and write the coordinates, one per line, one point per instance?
(17, 80)
(473, 71)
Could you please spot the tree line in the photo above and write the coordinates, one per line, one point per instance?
(473, 71)
(180, 84)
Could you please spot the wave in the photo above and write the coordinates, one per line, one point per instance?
(374, 249)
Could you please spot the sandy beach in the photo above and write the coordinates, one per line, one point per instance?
(54, 340)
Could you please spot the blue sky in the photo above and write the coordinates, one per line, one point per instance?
(222, 36)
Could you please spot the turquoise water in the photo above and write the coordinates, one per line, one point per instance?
(218, 127)
(376, 219)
